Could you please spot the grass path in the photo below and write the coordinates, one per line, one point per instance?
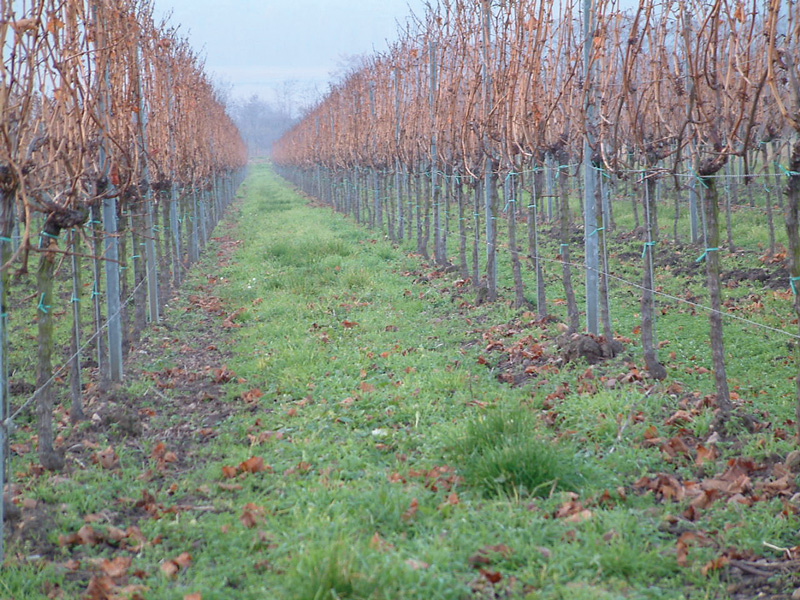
(314, 422)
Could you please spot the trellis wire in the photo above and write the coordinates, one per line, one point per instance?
(7, 417)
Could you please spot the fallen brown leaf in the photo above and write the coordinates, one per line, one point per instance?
(169, 568)
(116, 567)
(577, 517)
(251, 515)
(705, 454)
(230, 487)
(158, 450)
(100, 588)
(85, 536)
(115, 534)
(376, 542)
(489, 554)
(680, 416)
(416, 564)
(254, 464)
(715, 564)
(686, 538)
(411, 510)
(492, 577)
(252, 396)
(183, 560)
(107, 458)
(222, 374)
(72, 565)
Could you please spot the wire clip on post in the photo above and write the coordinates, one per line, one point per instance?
(646, 244)
(705, 253)
(42, 306)
(786, 171)
(7, 427)
(792, 282)
(700, 179)
(603, 172)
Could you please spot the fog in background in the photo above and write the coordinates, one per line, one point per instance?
(271, 60)
(260, 122)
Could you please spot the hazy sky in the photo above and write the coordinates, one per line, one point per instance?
(256, 45)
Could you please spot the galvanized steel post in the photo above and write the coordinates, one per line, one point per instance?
(113, 289)
(590, 175)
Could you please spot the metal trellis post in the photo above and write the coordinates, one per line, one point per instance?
(112, 289)
(590, 218)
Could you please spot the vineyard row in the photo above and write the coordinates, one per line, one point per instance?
(478, 92)
(117, 159)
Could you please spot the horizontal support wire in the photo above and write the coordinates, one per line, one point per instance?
(647, 245)
(671, 297)
(8, 423)
(691, 174)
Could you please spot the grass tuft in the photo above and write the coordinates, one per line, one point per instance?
(330, 572)
(501, 453)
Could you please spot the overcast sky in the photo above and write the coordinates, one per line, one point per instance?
(256, 45)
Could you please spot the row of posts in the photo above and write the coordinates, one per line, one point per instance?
(202, 211)
(198, 208)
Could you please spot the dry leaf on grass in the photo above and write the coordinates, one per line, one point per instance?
(689, 537)
(254, 464)
(171, 567)
(116, 567)
(411, 510)
(251, 515)
(415, 564)
(492, 577)
(100, 588)
(489, 554)
(107, 458)
(376, 542)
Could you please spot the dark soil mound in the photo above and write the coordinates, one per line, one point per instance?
(773, 279)
(592, 348)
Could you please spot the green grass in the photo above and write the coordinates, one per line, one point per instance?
(502, 453)
(403, 459)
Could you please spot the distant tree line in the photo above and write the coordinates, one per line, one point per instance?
(261, 123)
